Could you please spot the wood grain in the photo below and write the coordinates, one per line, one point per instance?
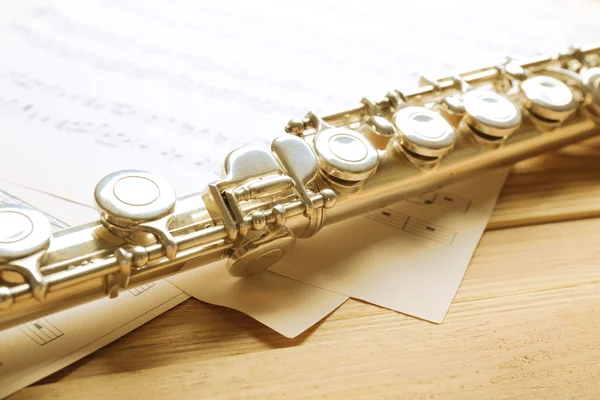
(525, 323)
(555, 187)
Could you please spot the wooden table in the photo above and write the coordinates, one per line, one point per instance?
(525, 322)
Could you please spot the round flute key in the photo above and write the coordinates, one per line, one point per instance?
(548, 98)
(130, 197)
(424, 132)
(491, 114)
(255, 256)
(23, 232)
(345, 154)
(591, 80)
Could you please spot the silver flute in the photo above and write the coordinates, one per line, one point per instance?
(324, 169)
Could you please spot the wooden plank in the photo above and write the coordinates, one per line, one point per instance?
(556, 187)
(524, 324)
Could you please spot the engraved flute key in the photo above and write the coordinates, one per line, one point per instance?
(325, 169)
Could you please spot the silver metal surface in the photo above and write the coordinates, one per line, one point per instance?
(259, 254)
(490, 113)
(345, 154)
(329, 169)
(133, 202)
(25, 236)
(300, 163)
(23, 232)
(591, 80)
(424, 132)
(548, 98)
(378, 131)
(130, 197)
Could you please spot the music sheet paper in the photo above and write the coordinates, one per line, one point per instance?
(410, 257)
(285, 305)
(89, 87)
(39, 348)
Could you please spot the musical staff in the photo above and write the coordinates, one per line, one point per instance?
(41, 331)
(426, 198)
(430, 231)
(6, 198)
(413, 225)
(393, 219)
(141, 289)
(443, 199)
(118, 133)
(453, 201)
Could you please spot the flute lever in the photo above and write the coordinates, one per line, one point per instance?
(300, 163)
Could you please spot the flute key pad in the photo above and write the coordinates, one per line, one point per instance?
(491, 114)
(23, 232)
(423, 132)
(548, 98)
(345, 154)
(137, 201)
(130, 197)
(24, 238)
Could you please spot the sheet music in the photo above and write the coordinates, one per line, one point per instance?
(95, 86)
(38, 348)
(409, 257)
(89, 87)
(285, 305)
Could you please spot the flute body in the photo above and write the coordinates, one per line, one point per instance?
(322, 170)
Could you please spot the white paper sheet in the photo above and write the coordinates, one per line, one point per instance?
(88, 87)
(39, 348)
(410, 257)
(285, 305)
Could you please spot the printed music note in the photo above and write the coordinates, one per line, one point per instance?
(93, 62)
(41, 331)
(443, 199)
(430, 231)
(114, 139)
(86, 328)
(394, 219)
(453, 201)
(427, 198)
(413, 225)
